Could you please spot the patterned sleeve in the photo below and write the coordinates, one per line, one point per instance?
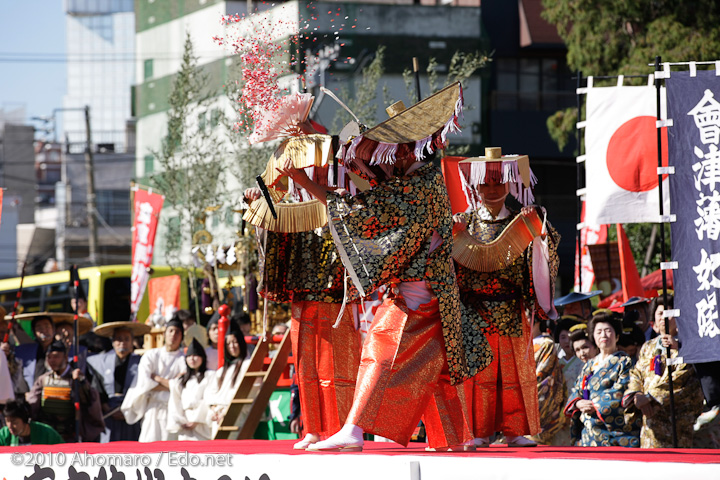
(380, 232)
(637, 374)
(546, 361)
(608, 404)
(686, 388)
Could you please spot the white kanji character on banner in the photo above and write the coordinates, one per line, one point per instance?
(707, 118)
(709, 220)
(708, 170)
(707, 314)
(706, 270)
(143, 232)
(145, 214)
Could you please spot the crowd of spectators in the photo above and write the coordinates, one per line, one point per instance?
(599, 384)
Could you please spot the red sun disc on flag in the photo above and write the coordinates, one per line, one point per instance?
(632, 154)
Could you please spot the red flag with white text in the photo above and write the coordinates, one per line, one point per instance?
(147, 214)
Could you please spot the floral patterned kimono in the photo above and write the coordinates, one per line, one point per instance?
(552, 393)
(650, 377)
(304, 268)
(605, 383)
(414, 351)
(504, 395)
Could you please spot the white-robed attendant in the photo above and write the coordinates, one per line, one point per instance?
(188, 414)
(221, 390)
(148, 399)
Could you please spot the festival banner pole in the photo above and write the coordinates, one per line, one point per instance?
(416, 69)
(578, 229)
(661, 171)
(16, 305)
(75, 279)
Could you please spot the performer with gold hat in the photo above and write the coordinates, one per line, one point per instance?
(399, 234)
(113, 373)
(299, 264)
(506, 268)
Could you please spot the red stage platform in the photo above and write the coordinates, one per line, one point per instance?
(276, 460)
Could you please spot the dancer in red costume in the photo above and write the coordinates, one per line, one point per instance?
(301, 266)
(503, 270)
(399, 234)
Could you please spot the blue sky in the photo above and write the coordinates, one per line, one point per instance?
(31, 33)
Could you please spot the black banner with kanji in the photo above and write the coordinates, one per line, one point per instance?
(693, 147)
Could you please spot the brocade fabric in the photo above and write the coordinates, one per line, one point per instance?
(384, 236)
(656, 431)
(327, 362)
(504, 395)
(552, 393)
(301, 267)
(404, 377)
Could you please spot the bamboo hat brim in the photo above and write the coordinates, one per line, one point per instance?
(108, 329)
(420, 120)
(85, 324)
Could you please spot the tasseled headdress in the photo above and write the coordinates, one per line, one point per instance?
(414, 132)
(511, 169)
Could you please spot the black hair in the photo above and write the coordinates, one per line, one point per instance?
(631, 335)
(17, 409)
(35, 321)
(659, 300)
(578, 335)
(565, 323)
(95, 343)
(242, 318)
(608, 317)
(229, 360)
(184, 315)
(191, 372)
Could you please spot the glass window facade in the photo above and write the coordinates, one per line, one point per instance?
(101, 69)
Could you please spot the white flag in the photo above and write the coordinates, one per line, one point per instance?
(621, 156)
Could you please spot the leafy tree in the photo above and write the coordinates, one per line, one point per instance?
(615, 37)
(462, 66)
(191, 158)
(363, 102)
(620, 37)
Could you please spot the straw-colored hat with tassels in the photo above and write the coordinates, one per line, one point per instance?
(511, 169)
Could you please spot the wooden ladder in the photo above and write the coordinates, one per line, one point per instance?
(229, 429)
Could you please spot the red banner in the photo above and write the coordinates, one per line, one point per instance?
(164, 296)
(589, 235)
(147, 215)
(451, 172)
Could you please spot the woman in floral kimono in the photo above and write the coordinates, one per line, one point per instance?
(596, 398)
(649, 394)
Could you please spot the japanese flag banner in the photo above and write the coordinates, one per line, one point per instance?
(621, 156)
(694, 147)
(147, 214)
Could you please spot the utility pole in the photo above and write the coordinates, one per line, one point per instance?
(90, 199)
